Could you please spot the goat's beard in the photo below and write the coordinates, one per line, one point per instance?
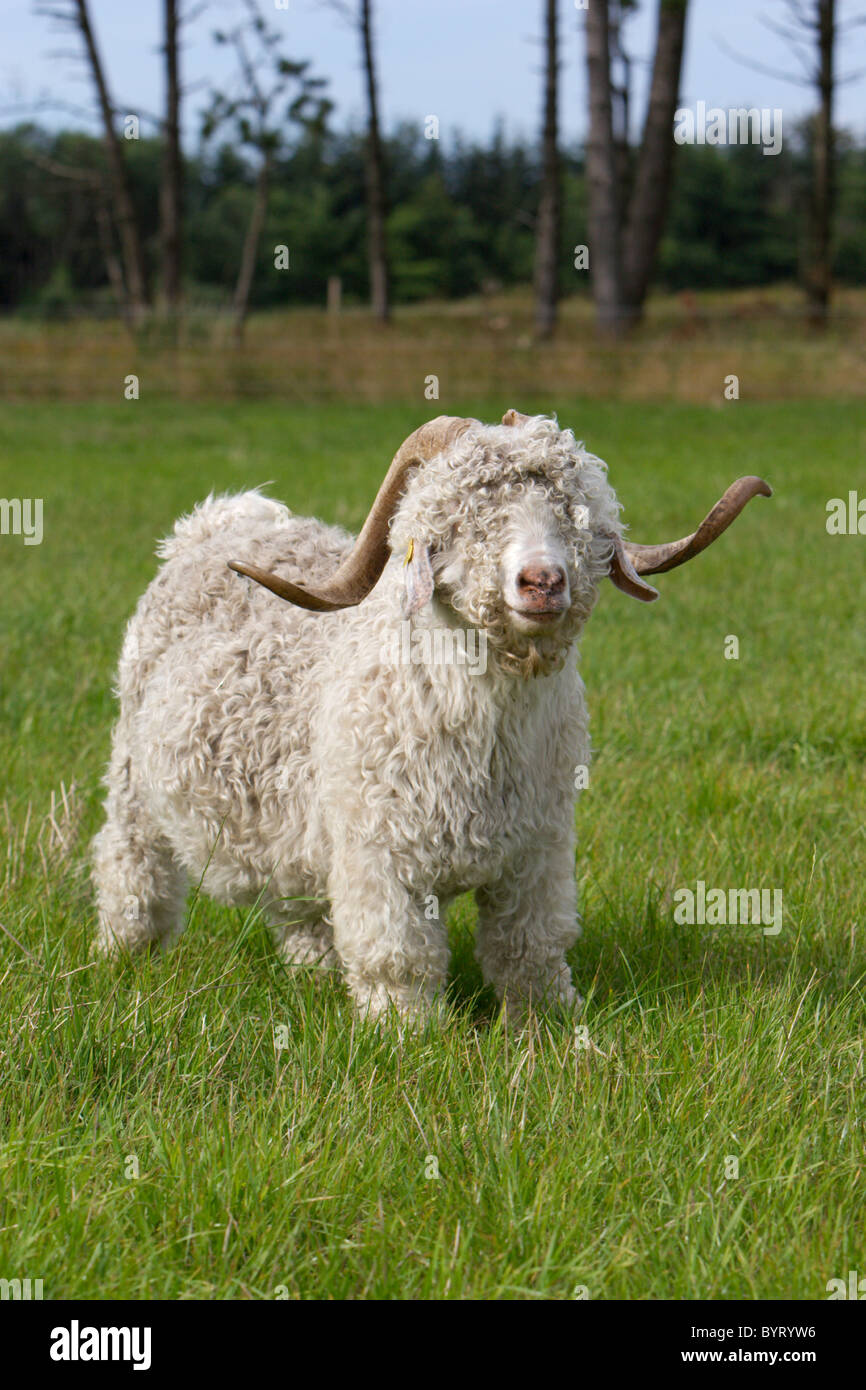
(527, 655)
(514, 653)
(536, 656)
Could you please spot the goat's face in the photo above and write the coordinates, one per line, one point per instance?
(511, 527)
(516, 524)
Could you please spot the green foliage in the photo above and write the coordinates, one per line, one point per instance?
(56, 299)
(851, 216)
(436, 246)
(280, 1144)
(732, 220)
(461, 214)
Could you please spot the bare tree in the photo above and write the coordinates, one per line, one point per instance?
(171, 188)
(620, 85)
(359, 13)
(77, 15)
(650, 193)
(819, 259)
(811, 29)
(604, 186)
(257, 116)
(377, 252)
(176, 16)
(549, 204)
(626, 215)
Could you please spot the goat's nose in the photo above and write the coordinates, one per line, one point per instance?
(541, 579)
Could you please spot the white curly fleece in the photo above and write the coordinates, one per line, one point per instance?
(270, 751)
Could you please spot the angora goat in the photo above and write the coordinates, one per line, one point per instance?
(291, 754)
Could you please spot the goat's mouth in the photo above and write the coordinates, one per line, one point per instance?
(528, 619)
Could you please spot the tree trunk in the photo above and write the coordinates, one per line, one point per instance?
(251, 246)
(648, 204)
(819, 258)
(547, 226)
(113, 267)
(377, 253)
(620, 96)
(171, 189)
(124, 209)
(605, 256)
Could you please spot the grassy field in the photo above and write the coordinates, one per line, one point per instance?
(156, 1140)
(483, 346)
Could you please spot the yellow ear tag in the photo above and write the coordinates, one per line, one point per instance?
(410, 552)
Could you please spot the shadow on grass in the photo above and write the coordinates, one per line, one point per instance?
(629, 955)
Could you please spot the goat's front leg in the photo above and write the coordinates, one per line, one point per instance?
(393, 954)
(527, 921)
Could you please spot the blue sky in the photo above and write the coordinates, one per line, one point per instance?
(466, 61)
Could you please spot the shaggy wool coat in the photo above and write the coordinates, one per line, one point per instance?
(279, 756)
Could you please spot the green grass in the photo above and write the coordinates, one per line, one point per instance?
(561, 1165)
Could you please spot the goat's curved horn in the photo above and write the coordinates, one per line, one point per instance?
(655, 559)
(360, 570)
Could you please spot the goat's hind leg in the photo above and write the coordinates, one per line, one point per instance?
(140, 887)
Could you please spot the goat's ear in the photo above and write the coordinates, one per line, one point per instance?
(417, 579)
(624, 575)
